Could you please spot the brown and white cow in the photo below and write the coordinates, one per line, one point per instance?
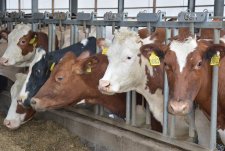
(22, 42)
(17, 115)
(187, 63)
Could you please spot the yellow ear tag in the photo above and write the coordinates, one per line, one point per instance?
(52, 66)
(104, 51)
(154, 59)
(32, 41)
(88, 70)
(215, 60)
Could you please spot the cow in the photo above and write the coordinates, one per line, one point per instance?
(80, 74)
(187, 63)
(43, 63)
(17, 115)
(22, 42)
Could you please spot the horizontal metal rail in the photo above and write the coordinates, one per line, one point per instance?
(150, 133)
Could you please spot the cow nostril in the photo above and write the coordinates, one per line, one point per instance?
(6, 122)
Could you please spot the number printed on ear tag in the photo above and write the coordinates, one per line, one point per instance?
(154, 59)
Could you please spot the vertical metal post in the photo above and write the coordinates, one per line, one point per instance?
(120, 6)
(53, 36)
(96, 6)
(191, 5)
(148, 115)
(191, 116)
(166, 92)
(133, 111)
(154, 6)
(213, 123)
(34, 7)
(128, 107)
(19, 5)
(3, 5)
(73, 5)
(74, 34)
(218, 7)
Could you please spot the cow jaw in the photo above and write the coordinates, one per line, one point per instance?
(182, 49)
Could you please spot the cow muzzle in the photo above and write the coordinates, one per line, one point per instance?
(105, 87)
(11, 124)
(4, 61)
(179, 107)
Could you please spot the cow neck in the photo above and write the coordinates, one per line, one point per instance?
(153, 94)
(204, 97)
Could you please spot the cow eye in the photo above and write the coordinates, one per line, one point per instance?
(128, 58)
(22, 42)
(198, 65)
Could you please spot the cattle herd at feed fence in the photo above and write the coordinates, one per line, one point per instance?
(176, 66)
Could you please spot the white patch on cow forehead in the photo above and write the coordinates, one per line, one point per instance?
(182, 49)
(19, 31)
(84, 42)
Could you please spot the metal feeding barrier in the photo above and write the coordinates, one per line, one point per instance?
(188, 19)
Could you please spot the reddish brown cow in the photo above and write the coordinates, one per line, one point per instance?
(78, 75)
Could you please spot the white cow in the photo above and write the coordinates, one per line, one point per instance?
(13, 119)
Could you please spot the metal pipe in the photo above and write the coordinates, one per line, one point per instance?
(73, 6)
(215, 79)
(133, 111)
(166, 91)
(191, 5)
(120, 6)
(218, 7)
(49, 37)
(53, 36)
(34, 6)
(74, 34)
(148, 115)
(128, 107)
(3, 5)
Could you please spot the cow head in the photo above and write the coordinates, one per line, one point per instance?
(21, 44)
(17, 115)
(123, 56)
(4, 34)
(76, 74)
(188, 71)
(38, 73)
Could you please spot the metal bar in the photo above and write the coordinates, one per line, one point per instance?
(191, 118)
(215, 78)
(120, 6)
(96, 110)
(34, 6)
(3, 5)
(148, 115)
(172, 125)
(96, 6)
(74, 35)
(166, 92)
(73, 7)
(53, 36)
(133, 108)
(128, 107)
(154, 6)
(19, 5)
(49, 37)
(191, 5)
(53, 6)
(218, 7)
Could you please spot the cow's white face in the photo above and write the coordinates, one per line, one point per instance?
(13, 119)
(123, 71)
(13, 54)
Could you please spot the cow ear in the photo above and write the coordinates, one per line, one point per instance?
(146, 50)
(214, 49)
(88, 65)
(84, 55)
